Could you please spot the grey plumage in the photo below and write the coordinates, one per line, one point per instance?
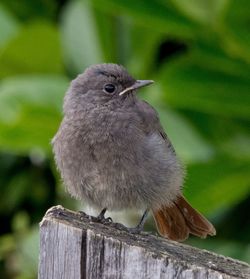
(111, 150)
(112, 153)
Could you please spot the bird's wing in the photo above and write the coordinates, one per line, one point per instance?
(151, 122)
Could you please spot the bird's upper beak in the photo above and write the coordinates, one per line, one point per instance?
(138, 83)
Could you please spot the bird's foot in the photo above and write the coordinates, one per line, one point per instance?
(139, 228)
(135, 230)
(83, 214)
(101, 217)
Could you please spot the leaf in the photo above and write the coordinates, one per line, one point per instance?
(8, 26)
(36, 49)
(238, 146)
(80, 36)
(189, 144)
(229, 247)
(27, 253)
(141, 60)
(203, 11)
(121, 42)
(13, 195)
(218, 185)
(28, 10)
(192, 84)
(30, 109)
(154, 14)
(235, 34)
(110, 33)
(7, 245)
(214, 57)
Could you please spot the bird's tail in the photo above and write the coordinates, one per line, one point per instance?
(180, 219)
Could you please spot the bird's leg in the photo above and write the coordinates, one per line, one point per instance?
(101, 216)
(139, 227)
(141, 224)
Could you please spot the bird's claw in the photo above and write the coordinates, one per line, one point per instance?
(101, 217)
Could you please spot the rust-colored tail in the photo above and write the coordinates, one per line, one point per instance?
(180, 219)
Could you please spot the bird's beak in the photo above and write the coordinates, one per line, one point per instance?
(138, 83)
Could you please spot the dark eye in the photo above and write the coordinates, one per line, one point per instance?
(109, 88)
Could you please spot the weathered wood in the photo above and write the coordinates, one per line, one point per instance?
(74, 245)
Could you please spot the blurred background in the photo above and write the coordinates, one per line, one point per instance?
(198, 53)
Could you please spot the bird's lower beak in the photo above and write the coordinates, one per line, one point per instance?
(138, 83)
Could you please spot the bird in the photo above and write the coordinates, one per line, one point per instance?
(113, 153)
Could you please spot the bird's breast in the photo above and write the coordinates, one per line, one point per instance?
(112, 161)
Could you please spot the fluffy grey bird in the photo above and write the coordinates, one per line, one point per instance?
(113, 153)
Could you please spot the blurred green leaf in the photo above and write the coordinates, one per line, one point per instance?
(190, 84)
(126, 49)
(141, 60)
(30, 111)
(27, 253)
(80, 36)
(230, 248)
(190, 146)
(27, 10)
(7, 245)
(36, 49)
(21, 221)
(160, 16)
(8, 26)
(109, 30)
(14, 194)
(238, 146)
(203, 11)
(236, 33)
(228, 136)
(217, 185)
(212, 55)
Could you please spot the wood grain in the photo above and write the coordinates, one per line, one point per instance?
(75, 245)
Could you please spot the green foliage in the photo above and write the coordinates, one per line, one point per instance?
(81, 45)
(30, 111)
(35, 49)
(207, 87)
(198, 53)
(8, 26)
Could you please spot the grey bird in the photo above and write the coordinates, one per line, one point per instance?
(113, 153)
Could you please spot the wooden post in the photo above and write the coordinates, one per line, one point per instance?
(76, 246)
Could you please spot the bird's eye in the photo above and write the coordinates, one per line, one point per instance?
(109, 88)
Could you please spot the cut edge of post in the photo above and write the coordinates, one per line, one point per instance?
(157, 246)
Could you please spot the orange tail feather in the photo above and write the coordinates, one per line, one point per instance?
(180, 219)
